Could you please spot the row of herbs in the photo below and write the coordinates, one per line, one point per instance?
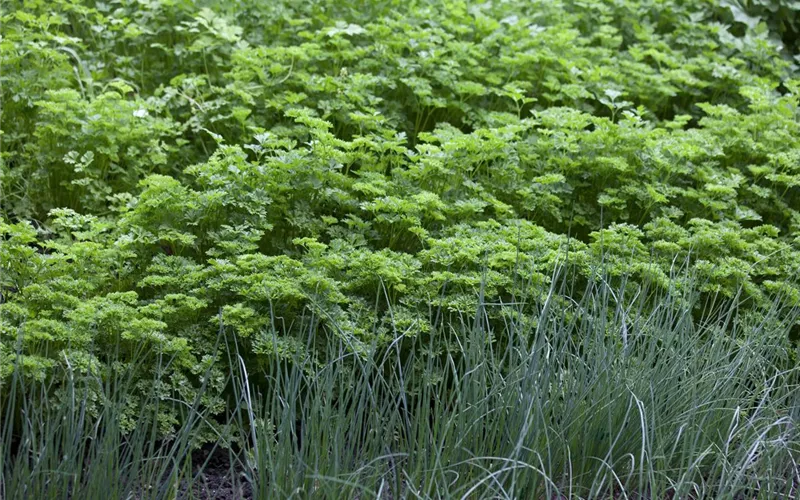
(371, 171)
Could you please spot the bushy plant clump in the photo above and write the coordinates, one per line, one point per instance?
(373, 172)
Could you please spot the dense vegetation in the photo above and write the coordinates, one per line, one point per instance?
(420, 226)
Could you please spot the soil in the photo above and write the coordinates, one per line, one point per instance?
(214, 478)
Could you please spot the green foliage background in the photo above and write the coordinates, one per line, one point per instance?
(369, 170)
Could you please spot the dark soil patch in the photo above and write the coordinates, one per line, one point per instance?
(216, 477)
